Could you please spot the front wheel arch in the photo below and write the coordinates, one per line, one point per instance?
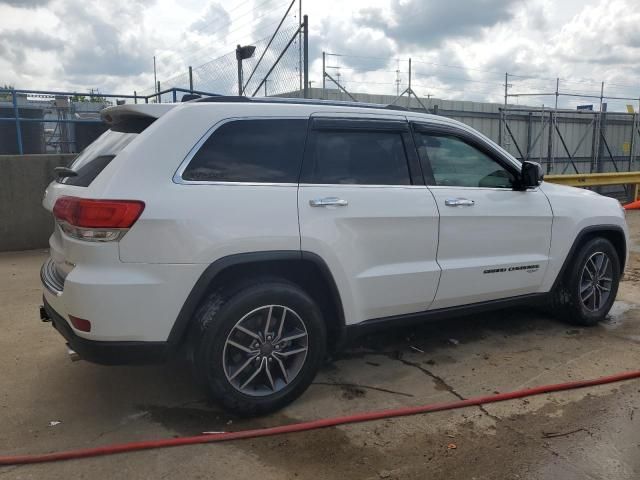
(568, 297)
(613, 233)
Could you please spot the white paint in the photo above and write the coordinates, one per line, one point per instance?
(393, 250)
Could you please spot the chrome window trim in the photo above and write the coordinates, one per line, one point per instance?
(231, 184)
(497, 189)
(361, 185)
(177, 176)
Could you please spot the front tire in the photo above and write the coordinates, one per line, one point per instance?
(590, 285)
(259, 348)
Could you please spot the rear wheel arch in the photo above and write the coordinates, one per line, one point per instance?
(305, 269)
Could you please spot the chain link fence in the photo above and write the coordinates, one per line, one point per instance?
(275, 68)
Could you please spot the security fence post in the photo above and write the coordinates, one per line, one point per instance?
(16, 114)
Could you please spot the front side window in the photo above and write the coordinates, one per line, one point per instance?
(456, 163)
(261, 151)
(359, 157)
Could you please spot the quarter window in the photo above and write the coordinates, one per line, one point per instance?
(263, 151)
(456, 163)
(359, 157)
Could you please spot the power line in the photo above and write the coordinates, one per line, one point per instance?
(222, 26)
(193, 54)
(185, 60)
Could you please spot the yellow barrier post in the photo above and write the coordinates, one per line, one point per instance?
(598, 179)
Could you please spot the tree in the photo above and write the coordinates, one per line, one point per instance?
(5, 96)
(94, 96)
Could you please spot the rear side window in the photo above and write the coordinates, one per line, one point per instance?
(261, 151)
(359, 157)
(93, 159)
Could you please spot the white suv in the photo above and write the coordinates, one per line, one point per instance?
(260, 233)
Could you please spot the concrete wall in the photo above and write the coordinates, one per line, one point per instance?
(24, 223)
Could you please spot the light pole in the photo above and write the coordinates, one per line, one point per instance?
(242, 53)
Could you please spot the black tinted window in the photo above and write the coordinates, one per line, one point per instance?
(251, 151)
(456, 163)
(356, 157)
(93, 159)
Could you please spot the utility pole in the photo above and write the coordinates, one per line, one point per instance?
(243, 53)
(506, 87)
(557, 88)
(239, 61)
(155, 78)
(300, 47)
(409, 87)
(502, 135)
(398, 79)
(602, 137)
(601, 95)
(306, 56)
(190, 79)
(324, 76)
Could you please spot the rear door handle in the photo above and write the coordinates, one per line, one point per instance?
(328, 202)
(459, 202)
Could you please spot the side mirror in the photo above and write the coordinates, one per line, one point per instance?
(531, 174)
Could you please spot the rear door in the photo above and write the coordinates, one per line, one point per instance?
(494, 239)
(365, 210)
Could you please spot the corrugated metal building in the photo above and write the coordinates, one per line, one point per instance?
(564, 141)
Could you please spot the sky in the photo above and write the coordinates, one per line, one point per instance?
(460, 49)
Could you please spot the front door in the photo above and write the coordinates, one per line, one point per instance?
(365, 210)
(494, 240)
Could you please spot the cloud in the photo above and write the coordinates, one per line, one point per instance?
(25, 3)
(19, 46)
(215, 19)
(604, 34)
(101, 46)
(361, 49)
(30, 39)
(420, 23)
(460, 48)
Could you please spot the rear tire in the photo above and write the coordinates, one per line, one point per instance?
(258, 347)
(589, 287)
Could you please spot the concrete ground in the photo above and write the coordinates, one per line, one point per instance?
(586, 434)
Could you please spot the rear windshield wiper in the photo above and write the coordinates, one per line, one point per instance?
(64, 172)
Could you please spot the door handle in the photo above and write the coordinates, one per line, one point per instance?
(459, 202)
(328, 202)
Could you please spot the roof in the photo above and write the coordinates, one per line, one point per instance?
(296, 101)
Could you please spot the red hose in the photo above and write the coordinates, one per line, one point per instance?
(311, 425)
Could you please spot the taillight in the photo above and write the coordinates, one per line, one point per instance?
(96, 220)
(80, 323)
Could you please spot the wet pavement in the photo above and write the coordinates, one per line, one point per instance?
(583, 434)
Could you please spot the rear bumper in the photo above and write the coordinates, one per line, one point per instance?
(107, 352)
(124, 302)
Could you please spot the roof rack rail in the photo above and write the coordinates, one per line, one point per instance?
(296, 101)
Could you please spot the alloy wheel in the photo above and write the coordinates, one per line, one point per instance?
(265, 350)
(596, 281)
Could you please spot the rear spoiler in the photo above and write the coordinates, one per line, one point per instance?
(133, 118)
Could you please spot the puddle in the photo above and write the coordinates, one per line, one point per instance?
(189, 421)
(617, 313)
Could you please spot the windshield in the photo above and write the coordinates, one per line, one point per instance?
(93, 159)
